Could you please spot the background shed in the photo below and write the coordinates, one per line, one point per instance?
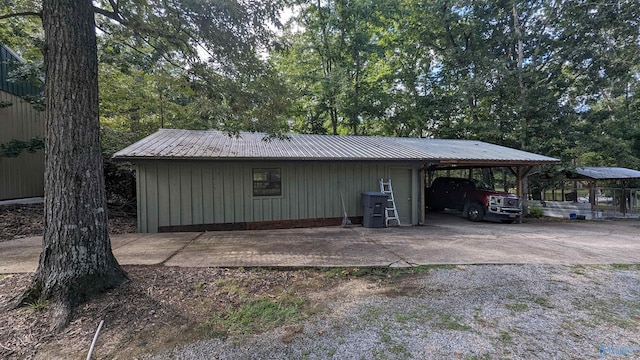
(22, 176)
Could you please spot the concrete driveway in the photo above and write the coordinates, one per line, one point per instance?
(446, 239)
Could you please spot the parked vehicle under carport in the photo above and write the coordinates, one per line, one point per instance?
(477, 200)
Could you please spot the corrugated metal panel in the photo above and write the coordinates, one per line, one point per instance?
(207, 192)
(22, 176)
(188, 144)
(607, 173)
(446, 149)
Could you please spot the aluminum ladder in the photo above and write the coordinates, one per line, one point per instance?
(390, 210)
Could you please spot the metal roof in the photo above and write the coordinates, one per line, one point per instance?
(211, 144)
(471, 150)
(606, 173)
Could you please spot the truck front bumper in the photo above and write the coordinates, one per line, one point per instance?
(503, 213)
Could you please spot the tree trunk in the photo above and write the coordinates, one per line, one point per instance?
(521, 84)
(76, 261)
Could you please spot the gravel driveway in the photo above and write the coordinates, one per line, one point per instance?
(463, 312)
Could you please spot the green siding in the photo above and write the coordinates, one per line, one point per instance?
(204, 192)
(22, 176)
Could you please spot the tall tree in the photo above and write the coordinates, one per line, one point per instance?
(76, 261)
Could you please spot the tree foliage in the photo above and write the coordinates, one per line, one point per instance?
(555, 77)
(14, 148)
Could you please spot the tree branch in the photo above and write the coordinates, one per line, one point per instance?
(23, 13)
(114, 6)
(113, 15)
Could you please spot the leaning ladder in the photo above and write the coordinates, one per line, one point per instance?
(390, 210)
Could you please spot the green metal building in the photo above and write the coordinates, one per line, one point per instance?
(207, 180)
(22, 176)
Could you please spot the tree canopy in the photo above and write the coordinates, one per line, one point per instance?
(559, 78)
(554, 77)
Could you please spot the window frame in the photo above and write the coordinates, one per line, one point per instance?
(270, 180)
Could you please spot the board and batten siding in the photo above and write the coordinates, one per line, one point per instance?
(213, 192)
(22, 176)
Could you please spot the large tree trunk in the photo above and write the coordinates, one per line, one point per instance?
(76, 261)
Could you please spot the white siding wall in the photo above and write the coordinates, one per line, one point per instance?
(207, 192)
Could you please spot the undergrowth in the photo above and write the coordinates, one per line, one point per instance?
(258, 315)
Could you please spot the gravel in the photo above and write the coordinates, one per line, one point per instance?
(466, 312)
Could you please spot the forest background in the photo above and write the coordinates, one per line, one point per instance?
(559, 78)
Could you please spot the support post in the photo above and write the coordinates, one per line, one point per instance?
(423, 193)
(522, 186)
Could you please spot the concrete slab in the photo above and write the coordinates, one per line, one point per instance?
(20, 255)
(446, 239)
(25, 201)
(318, 247)
(451, 239)
(148, 249)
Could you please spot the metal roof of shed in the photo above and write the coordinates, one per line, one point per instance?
(195, 144)
(605, 173)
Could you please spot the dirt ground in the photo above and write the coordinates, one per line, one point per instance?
(18, 221)
(159, 308)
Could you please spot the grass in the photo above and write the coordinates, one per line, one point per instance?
(543, 302)
(579, 269)
(258, 315)
(371, 314)
(233, 287)
(420, 314)
(601, 312)
(451, 322)
(478, 357)
(382, 272)
(517, 307)
(625, 267)
(197, 288)
(37, 305)
(505, 337)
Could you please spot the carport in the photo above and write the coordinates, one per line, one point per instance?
(624, 200)
(452, 155)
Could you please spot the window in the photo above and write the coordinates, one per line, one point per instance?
(267, 182)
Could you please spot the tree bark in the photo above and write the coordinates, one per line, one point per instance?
(76, 261)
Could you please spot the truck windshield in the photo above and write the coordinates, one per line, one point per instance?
(480, 185)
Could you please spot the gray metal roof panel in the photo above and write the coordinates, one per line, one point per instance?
(196, 144)
(182, 144)
(472, 150)
(603, 173)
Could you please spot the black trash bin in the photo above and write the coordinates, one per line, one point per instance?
(374, 204)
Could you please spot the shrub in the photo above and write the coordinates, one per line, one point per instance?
(120, 187)
(535, 212)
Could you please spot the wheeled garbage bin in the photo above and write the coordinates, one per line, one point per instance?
(374, 204)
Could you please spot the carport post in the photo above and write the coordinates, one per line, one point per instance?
(522, 188)
(423, 204)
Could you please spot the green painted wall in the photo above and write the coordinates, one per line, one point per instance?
(22, 176)
(206, 192)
